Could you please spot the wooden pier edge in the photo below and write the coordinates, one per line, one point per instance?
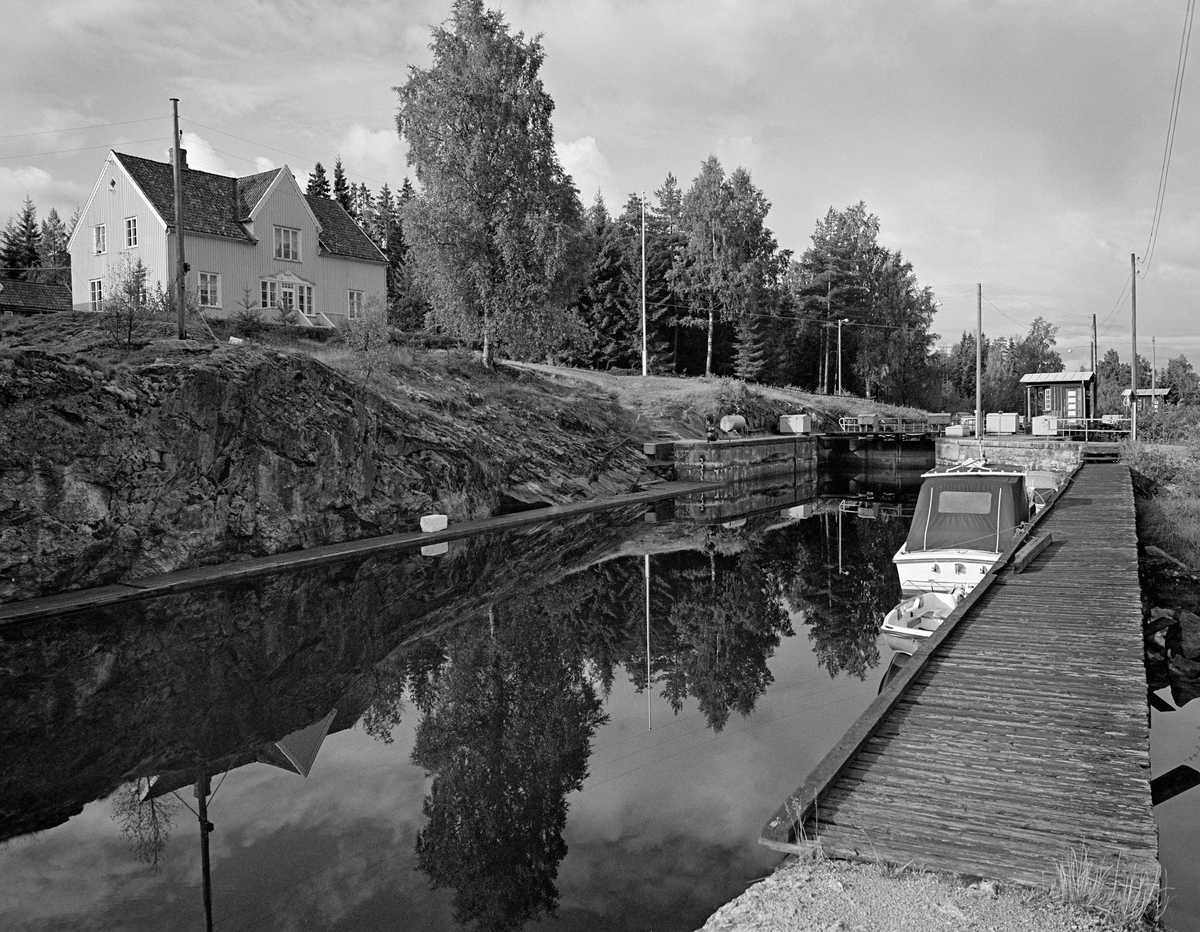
(149, 587)
(782, 830)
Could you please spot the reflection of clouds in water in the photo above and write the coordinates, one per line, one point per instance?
(322, 848)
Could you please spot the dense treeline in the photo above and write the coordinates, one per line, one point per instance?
(37, 253)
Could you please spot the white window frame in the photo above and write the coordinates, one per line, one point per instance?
(287, 244)
(99, 239)
(304, 300)
(131, 236)
(354, 304)
(96, 293)
(208, 289)
(268, 293)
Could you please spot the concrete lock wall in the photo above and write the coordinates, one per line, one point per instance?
(1055, 456)
(733, 460)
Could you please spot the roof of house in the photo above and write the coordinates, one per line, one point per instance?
(217, 205)
(1148, 392)
(1048, 378)
(31, 297)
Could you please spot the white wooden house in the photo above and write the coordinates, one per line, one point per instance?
(258, 240)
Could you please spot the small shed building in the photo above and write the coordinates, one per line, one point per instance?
(1149, 398)
(1067, 395)
(21, 297)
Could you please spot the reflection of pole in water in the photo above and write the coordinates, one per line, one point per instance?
(202, 785)
(839, 538)
(649, 726)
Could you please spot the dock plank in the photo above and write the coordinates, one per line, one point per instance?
(1024, 733)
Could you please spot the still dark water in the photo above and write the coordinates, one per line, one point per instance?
(492, 760)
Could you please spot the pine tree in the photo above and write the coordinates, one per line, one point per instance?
(341, 189)
(385, 217)
(20, 241)
(56, 260)
(318, 184)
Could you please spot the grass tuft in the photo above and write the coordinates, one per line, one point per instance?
(1128, 898)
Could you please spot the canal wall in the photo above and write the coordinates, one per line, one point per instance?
(1060, 456)
(792, 455)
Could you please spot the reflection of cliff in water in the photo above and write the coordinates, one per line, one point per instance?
(503, 647)
(93, 701)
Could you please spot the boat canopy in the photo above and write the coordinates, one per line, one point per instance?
(968, 512)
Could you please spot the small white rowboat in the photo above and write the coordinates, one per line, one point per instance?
(916, 618)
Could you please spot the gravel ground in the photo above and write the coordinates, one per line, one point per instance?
(840, 896)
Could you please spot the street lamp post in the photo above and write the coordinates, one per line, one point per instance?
(841, 320)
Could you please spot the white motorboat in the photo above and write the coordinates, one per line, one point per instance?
(916, 618)
(966, 516)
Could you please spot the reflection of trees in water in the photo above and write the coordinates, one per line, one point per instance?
(842, 610)
(506, 738)
(411, 672)
(145, 825)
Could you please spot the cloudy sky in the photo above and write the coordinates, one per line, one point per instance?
(1013, 143)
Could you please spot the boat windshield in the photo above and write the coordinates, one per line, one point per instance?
(968, 512)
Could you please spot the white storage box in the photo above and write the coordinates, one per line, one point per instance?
(795, 423)
(1045, 425)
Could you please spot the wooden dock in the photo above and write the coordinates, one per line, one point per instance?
(149, 587)
(1020, 731)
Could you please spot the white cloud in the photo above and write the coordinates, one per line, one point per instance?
(203, 157)
(44, 189)
(586, 164)
(263, 164)
(372, 157)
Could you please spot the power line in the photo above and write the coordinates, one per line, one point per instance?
(1109, 315)
(1164, 171)
(76, 129)
(29, 155)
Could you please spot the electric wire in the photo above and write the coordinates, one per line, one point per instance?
(132, 142)
(76, 129)
(1110, 315)
(1165, 169)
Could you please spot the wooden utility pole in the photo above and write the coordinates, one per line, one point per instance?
(1095, 364)
(1133, 361)
(180, 265)
(202, 791)
(645, 362)
(979, 362)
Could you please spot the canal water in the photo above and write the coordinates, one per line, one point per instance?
(480, 744)
(465, 739)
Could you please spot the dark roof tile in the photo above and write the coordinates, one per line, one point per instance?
(340, 235)
(214, 204)
(17, 295)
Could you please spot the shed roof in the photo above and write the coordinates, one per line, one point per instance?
(1052, 378)
(33, 297)
(1148, 392)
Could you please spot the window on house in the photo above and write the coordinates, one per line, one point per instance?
(210, 289)
(269, 294)
(99, 242)
(287, 244)
(354, 305)
(96, 291)
(130, 232)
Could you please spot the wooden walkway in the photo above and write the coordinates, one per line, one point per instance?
(1024, 734)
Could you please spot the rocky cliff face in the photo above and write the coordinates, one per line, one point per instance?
(189, 455)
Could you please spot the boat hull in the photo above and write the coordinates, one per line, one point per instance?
(942, 570)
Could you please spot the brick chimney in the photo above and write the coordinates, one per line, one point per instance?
(182, 158)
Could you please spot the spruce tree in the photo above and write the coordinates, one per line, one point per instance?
(318, 184)
(56, 260)
(341, 190)
(20, 241)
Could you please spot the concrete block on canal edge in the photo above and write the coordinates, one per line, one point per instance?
(431, 523)
(795, 423)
